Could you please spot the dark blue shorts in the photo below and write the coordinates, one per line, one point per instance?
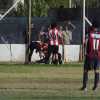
(93, 63)
(53, 49)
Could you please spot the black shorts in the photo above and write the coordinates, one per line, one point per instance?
(52, 49)
(93, 63)
(55, 49)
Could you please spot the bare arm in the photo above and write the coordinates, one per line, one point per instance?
(71, 24)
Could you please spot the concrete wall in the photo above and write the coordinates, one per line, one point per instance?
(71, 53)
(12, 53)
(16, 53)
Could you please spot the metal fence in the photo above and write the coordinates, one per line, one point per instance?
(12, 29)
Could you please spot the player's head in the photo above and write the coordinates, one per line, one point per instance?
(95, 24)
(53, 25)
(60, 27)
(94, 27)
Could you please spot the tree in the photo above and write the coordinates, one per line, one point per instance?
(41, 7)
(93, 3)
(20, 10)
(89, 3)
(4, 4)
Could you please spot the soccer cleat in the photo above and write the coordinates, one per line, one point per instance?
(94, 88)
(83, 89)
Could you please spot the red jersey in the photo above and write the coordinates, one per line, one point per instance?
(54, 36)
(94, 43)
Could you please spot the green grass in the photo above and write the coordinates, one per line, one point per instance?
(44, 82)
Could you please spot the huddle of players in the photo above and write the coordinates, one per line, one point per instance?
(53, 35)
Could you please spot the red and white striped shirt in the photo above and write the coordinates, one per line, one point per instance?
(54, 37)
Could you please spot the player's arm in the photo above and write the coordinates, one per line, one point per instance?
(72, 25)
(60, 34)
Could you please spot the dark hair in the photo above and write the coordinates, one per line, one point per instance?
(53, 25)
(95, 24)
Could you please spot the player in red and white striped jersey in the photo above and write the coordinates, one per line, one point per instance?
(53, 46)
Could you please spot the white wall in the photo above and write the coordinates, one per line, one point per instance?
(16, 53)
(12, 53)
(71, 53)
(5, 55)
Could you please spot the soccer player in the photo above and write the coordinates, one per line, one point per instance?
(53, 44)
(43, 35)
(92, 58)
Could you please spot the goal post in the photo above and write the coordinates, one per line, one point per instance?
(85, 19)
(9, 10)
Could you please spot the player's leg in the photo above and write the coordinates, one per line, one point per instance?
(48, 54)
(85, 80)
(55, 55)
(31, 49)
(96, 80)
(85, 73)
(59, 58)
(96, 74)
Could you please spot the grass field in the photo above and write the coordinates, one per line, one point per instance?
(44, 82)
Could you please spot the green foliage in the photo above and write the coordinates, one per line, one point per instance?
(4, 4)
(93, 3)
(20, 10)
(41, 7)
(57, 3)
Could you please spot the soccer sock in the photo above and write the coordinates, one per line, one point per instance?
(85, 79)
(96, 80)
